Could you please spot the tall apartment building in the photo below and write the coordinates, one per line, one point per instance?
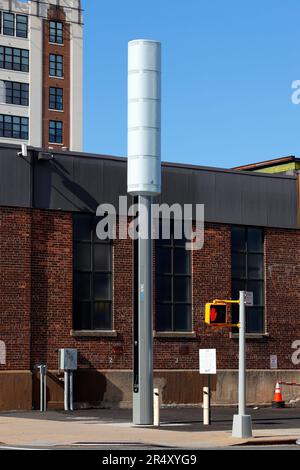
(41, 73)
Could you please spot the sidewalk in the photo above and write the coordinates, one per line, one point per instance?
(103, 427)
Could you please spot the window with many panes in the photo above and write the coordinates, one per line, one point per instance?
(56, 32)
(173, 285)
(92, 276)
(247, 246)
(55, 132)
(56, 98)
(56, 65)
(16, 93)
(21, 26)
(14, 127)
(12, 58)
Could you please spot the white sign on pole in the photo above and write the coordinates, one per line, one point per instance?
(248, 297)
(208, 361)
(273, 361)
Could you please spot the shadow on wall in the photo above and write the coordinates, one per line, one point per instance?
(49, 182)
(113, 388)
(92, 389)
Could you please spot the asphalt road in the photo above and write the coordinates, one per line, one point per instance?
(185, 419)
(190, 419)
(221, 418)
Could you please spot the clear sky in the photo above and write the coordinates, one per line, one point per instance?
(228, 67)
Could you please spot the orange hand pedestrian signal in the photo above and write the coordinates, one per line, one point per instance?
(216, 314)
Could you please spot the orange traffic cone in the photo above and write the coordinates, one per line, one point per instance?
(277, 400)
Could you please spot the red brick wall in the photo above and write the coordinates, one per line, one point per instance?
(36, 298)
(15, 286)
(52, 298)
(64, 83)
(113, 353)
(51, 285)
(212, 279)
(282, 271)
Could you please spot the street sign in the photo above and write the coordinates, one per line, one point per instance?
(207, 361)
(248, 296)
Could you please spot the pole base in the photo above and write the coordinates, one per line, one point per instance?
(242, 426)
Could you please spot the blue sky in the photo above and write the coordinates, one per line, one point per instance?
(227, 73)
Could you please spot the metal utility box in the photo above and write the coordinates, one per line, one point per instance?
(67, 359)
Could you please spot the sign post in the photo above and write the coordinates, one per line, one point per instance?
(242, 426)
(208, 366)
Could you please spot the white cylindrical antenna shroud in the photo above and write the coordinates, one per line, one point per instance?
(144, 117)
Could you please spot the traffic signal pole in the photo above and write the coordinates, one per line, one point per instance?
(242, 426)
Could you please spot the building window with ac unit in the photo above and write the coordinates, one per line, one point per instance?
(56, 98)
(92, 286)
(14, 127)
(56, 65)
(21, 26)
(173, 285)
(12, 58)
(56, 32)
(8, 24)
(247, 264)
(16, 93)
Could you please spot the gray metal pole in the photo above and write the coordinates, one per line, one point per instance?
(242, 425)
(41, 389)
(143, 400)
(66, 390)
(71, 391)
(45, 388)
(242, 359)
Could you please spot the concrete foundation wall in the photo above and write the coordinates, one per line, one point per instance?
(15, 390)
(260, 386)
(113, 389)
(19, 390)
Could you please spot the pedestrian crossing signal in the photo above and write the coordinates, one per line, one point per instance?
(216, 314)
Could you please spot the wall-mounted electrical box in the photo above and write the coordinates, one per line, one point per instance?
(67, 359)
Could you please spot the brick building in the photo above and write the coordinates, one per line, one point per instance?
(41, 54)
(60, 286)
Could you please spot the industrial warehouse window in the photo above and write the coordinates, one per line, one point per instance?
(56, 98)
(21, 26)
(173, 285)
(56, 68)
(55, 132)
(9, 24)
(12, 58)
(56, 32)
(16, 93)
(92, 276)
(247, 245)
(14, 25)
(14, 127)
